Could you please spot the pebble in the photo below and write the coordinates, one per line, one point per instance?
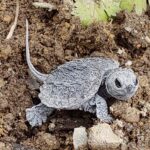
(101, 137)
(147, 39)
(128, 63)
(120, 51)
(2, 82)
(7, 18)
(147, 106)
(3, 102)
(51, 127)
(44, 5)
(68, 2)
(144, 81)
(69, 53)
(129, 29)
(131, 115)
(80, 138)
(4, 146)
(144, 112)
(5, 51)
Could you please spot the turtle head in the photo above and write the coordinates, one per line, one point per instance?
(121, 83)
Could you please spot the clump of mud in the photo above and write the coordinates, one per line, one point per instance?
(134, 34)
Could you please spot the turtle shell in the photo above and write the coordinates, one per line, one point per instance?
(75, 82)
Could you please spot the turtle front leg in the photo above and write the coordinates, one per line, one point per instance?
(102, 109)
(38, 114)
(89, 106)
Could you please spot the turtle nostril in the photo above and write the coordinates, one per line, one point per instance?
(136, 81)
(130, 88)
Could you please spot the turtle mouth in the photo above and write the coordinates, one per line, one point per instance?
(120, 97)
(124, 97)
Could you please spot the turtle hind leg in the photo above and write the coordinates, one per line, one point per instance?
(38, 114)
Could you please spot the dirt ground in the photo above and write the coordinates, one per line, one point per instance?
(57, 37)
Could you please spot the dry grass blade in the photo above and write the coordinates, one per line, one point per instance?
(15, 21)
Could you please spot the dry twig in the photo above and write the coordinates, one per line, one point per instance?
(15, 21)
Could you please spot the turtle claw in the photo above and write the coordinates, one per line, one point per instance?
(34, 117)
(108, 119)
(38, 114)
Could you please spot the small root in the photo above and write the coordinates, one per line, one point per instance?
(15, 22)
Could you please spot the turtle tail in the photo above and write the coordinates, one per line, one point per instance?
(40, 76)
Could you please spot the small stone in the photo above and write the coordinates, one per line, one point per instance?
(144, 112)
(3, 102)
(5, 51)
(2, 145)
(44, 5)
(51, 127)
(80, 138)
(68, 2)
(7, 18)
(122, 108)
(144, 81)
(147, 106)
(131, 115)
(135, 31)
(120, 51)
(3, 6)
(147, 39)
(128, 63)
(2, 82)
(101, 137)
(129, 29)
(69, 52)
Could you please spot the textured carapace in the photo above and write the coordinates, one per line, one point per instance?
(74, 83)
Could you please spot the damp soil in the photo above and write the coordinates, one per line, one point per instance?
(55, 38)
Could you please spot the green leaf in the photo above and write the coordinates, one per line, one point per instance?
(127, 5)
(111, 6)
(140, 6)
(88, 11)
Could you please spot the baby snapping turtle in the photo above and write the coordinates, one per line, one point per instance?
(83, 84)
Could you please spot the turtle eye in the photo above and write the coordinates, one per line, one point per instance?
(136, 81)
(118, 84)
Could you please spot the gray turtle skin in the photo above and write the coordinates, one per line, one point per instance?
(83, 84)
